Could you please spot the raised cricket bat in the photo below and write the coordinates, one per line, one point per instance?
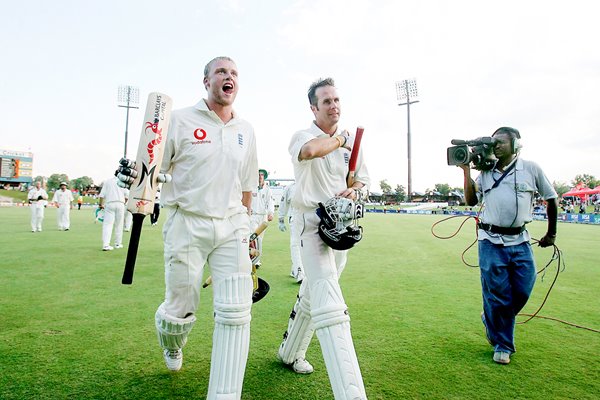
(354, 155)
(253, 252)
(147, 164)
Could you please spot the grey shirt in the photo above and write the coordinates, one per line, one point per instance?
(510, 204)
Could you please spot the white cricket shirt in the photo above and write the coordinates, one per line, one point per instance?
(63, 198)
(111, 191)
(211, 162)
(262, 202)
(319, 179)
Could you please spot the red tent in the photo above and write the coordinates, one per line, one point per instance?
(582, 193)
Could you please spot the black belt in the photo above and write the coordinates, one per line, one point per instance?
(501, 229)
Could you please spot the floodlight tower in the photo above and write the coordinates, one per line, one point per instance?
(406, 92)
(129, 97)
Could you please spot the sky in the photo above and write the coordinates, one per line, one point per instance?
(533, 65)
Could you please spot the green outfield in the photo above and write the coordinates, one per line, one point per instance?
(70, 330)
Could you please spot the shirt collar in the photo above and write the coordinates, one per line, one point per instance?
(315, 130)
(202, 106)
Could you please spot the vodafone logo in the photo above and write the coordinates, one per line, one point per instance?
(200, 134)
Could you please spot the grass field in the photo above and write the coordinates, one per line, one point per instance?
(70, 330)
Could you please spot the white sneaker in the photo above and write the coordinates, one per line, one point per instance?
(118, 246)
(173, 359)
(502, 357)
(107, 248)
(300, 276)
(301, 366)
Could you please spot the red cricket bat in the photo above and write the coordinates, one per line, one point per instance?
(354, 155)
(147, 164)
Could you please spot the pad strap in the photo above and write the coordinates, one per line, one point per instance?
(299, 332)
(172, 331)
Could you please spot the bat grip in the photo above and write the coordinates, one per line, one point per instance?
(132, 249)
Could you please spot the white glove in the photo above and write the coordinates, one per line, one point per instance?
(282, 227)
(349, 140)
(164, 178)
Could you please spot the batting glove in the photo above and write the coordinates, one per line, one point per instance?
(348, 140)
(126, 173)
(282, 227)
(164, 178)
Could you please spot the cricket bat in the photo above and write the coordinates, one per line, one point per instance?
(253, 252)
(354, 155)
(147, 164)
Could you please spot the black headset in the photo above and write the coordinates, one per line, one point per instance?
(515, 145)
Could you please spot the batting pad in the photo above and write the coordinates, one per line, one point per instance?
(231, 337)
(172, 331)
(299, 332)
(332, 325)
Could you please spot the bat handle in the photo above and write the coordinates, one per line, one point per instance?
(132, 249)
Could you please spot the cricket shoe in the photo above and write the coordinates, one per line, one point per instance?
(301, 366)
(118, 246)
(173, 359)
(107, 248)
(299, 276)
(502, 357)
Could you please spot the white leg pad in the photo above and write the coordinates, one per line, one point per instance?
(231, 337)
(172, 331)
(332, 325)
(299, 332)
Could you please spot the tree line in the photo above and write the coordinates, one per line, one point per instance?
(443, 189)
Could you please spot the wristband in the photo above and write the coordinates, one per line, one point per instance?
(339, 139)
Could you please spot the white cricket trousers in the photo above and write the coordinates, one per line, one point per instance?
(114, 213)
(63, 217)
(37, 215)
(329, 314)
(190, 241)
(295, 247)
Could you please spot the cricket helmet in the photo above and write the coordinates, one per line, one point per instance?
(338, 227)
(261, 291)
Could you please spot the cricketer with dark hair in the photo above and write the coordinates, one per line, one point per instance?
(320, 156)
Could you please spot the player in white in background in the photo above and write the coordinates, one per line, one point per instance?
(154, 216)
(128, 217)
(210, 153)
(320, 156)
(63, 199)
(112, 200)
(37, 198)
(286, 209)
(262, 209)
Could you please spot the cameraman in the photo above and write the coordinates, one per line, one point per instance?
(505, 257)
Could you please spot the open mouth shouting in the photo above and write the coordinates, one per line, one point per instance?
(228, 88)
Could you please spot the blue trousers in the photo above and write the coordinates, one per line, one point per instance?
(507, 279)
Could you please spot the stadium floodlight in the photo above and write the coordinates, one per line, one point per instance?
(129, 97)
(406, 92)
